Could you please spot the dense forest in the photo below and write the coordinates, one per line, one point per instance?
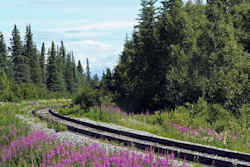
(27, 73)
(180, 53)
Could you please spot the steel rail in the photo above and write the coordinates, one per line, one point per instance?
(190, 151)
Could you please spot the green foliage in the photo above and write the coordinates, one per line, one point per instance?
(42, 63)
(58, 127)
(107, 80)
(225, 130)
(87, 98)
(3, 55)
(88, 71)
(29, 91)
(10, 123)
(245, 116)
(12, 92)
(6, 92)
(184, 52)
(54, 78)
(79, 67)
(20, 61)
(32, 56)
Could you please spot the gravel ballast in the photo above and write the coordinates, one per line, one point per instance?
(79, 139)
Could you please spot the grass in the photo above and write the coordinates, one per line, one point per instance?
(20, 146)
(226, 132)
(12, 127)
(57, 126)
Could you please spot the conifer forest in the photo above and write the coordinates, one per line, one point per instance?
(183, 73)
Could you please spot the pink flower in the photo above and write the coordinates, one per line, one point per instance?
(172, 156)
(233, 136)
(202, 129)
(195, 132)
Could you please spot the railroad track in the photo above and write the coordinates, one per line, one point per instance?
(192, 152)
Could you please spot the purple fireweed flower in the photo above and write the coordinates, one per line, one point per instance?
(210, 132)
(185, 163)
(195, 132)
(32, 103)
(233, 136)
(65, 154)
(172, 156)
(202, 129)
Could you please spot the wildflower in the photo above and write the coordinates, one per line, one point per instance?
(172, 156)
(233, 136)
(195, 132)
(185, 163)
(202, 129)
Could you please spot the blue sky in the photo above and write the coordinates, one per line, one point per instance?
(90, 28)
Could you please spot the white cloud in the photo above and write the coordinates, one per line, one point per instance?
(97, 44)
(100, 55)
(107, 25)
(95, 26)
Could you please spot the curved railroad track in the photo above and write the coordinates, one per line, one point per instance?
(190, 151)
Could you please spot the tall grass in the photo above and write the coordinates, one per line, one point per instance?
(200, 123)
(38, 149)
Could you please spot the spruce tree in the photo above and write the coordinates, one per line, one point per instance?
(95, 81)
(145, 59)
(36, 73)
(54, 80)
(76, 78)
(79, 67)
(42, 63)
(60, 59)
(20, 61)
(62, 53)
(32, 55)
(69, 78)
(3, 55)
(107, 80)
(51, 69)
(88, 71)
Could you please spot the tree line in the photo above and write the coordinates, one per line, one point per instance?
(179, 53)
(27, 72)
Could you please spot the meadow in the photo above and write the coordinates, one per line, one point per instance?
(198, 123)
(22, 146)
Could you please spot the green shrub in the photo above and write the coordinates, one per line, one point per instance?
(6, 92)
(88, 98)
(245, 116)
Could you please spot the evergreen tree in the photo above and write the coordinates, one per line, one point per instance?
(54, 80)
(240, 13)
(107, 80)
(36, 73)
(79, 67)
(20, 61)
(95, 82)
(62, 62)
(3, 55)
(145, 60)
(60, 59)
(88, 71)
(69, 78)
(75, 86)
(32, 56)
(42, 63)
(62, 53)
